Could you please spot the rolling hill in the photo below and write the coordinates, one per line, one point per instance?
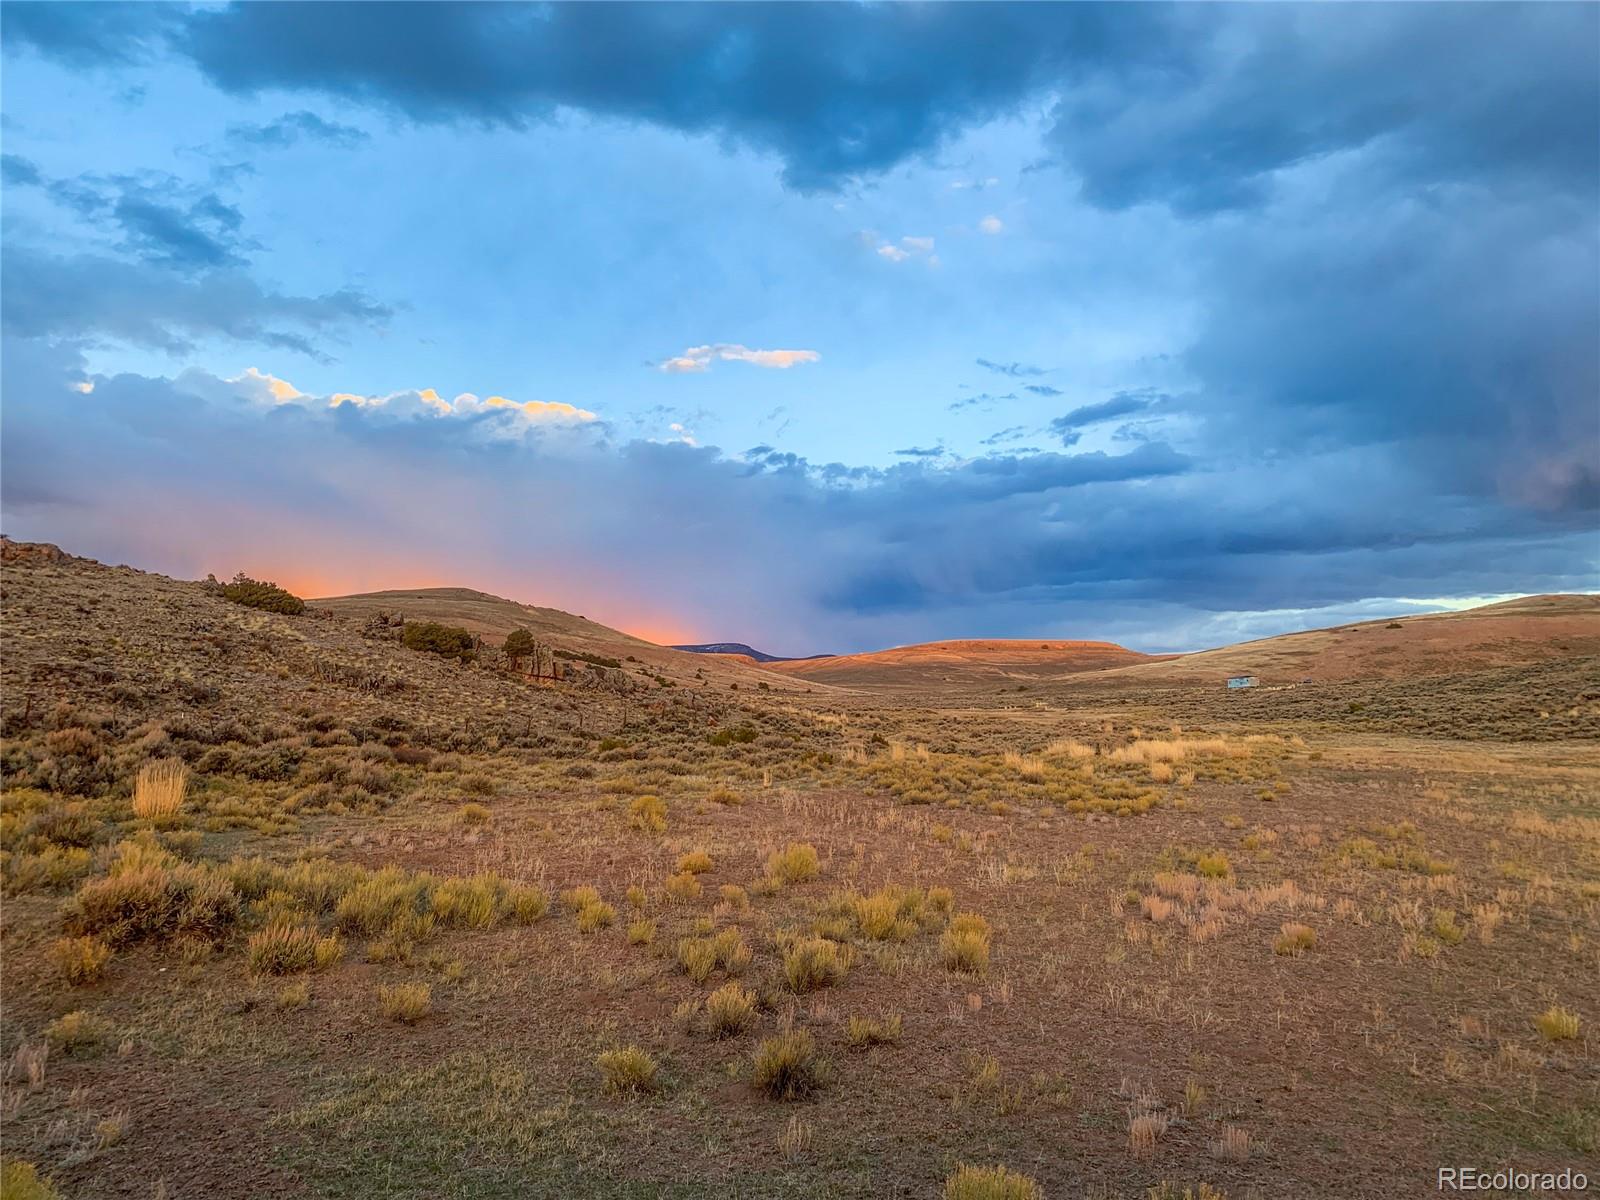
(493, 617)
(971, 662)
(1513, 633)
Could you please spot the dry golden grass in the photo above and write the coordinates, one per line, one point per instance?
(1145, 1129)
(862, 1032)
(629, 1069)
(795, 1139)
(284, 947)
(786, 1066)
(990, 1183)
(21, 1181)
(293, 995)
(1067, 748)
(796, 863)
(641, 933)
(730, 1010)
(77, 1032)
(964, 948)
(1294, 939)
(159, 789)
(407, 1003)
(80, 960)
(813, 963)
(696, 862)
(580, 897)
(648, 814)
(1176, 750)
(1025, 765)
(1557, 1024)
(1232, 1145)
(525, 903)
(467, 903)
(682, 887)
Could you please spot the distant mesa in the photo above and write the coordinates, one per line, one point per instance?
(745, 651)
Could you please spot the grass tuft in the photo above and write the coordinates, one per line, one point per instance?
(787, 1067)
(158, 791)
(629, 1069)
(1294, 939)
(80, 960)
(648, 814)
(1557, 1024)
(873, 1031)
(813, 963)
(964, 948)
(989, 1183)
(407, 1003)
(284, 947)
(730, 1010)
(696, 862)
(795, 864)
(77, 1032)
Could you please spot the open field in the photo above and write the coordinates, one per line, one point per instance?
(293, 910)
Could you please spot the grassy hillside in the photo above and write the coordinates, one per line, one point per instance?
(1515, 633)
(493, 617)
(961, 664)
(292, 910)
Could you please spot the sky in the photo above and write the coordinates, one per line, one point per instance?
(818, 327)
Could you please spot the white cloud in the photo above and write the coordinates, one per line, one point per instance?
(699, 358)
(263, 388)
(909, 247)
(991, 224)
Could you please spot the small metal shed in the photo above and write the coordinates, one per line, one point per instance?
(1241, 681)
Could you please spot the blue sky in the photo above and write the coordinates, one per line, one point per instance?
(818, 327)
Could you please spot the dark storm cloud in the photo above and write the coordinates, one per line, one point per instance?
(91, 34)
(1464, 329)
(201, 234)
(1434, 93)
(834, 90)
(1193, 107)
(18, 171)
(161, 219)
(1121, 405)
(89, 296)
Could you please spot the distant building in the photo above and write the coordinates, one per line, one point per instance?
(1241, 681)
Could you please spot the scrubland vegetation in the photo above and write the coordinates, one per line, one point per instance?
(292, 908)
